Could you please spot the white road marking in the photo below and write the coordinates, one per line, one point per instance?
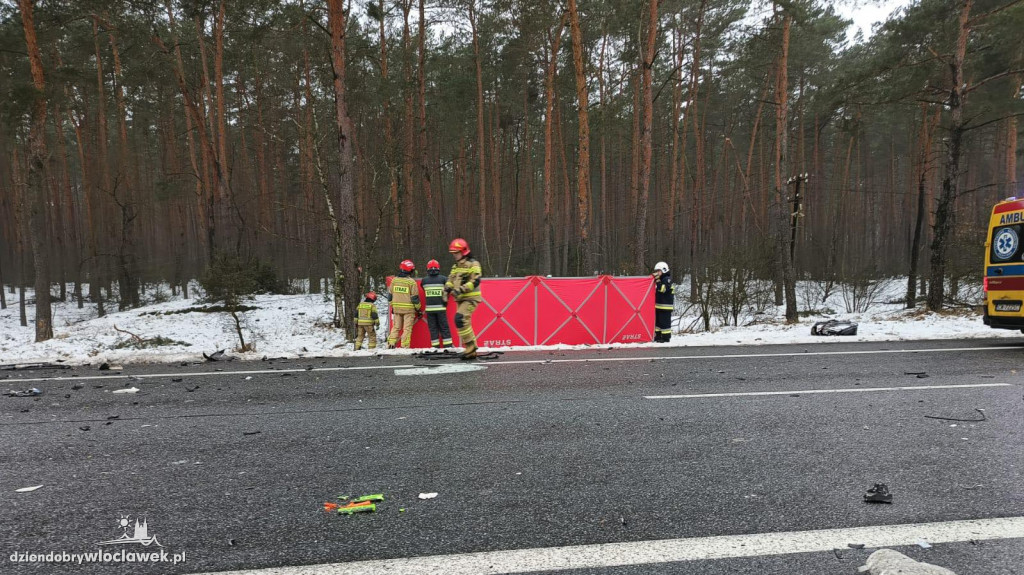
(441, 369)
(526, 362)
(754, 355)
(843, 390)
(607, 555)
(209, 373)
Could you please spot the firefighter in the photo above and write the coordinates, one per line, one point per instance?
(367, 322)
(464, 282)
(404, 296)
(664, 303)
(437, 306)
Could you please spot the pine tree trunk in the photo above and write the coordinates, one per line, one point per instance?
(605, 233)
(105, 184)
(675, 181)
(346, 287)
(634, 172)
(128, 277)
(1011, 141)
(565, 226)
(307, 144)
(424, 143)
(951, 176)
(89, 196)
(646, 148)
(69, 232)
(481, 144)
(37, 177)
(232, 224)
(697, 261)
(583, 153)
(783, 256)
(496, 197)
(411, 204)
(215, 206)
(263, 201)
(3, 294)
(390, 164)
(21, 232)
(549, 101)
(22, 310)
(924, 156)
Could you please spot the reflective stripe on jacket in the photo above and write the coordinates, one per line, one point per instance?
(464, 280)
(664, 293)
(366, 314)
(405, 294)
(433, 288)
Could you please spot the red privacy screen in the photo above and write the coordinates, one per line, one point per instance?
(546, 311)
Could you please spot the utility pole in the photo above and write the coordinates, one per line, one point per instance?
(794, 217)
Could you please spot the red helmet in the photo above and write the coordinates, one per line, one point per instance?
(433, 265)
(372, 296)
(459, 245)
(407, 266)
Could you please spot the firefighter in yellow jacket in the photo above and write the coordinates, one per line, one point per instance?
(404, 295)
(367, 322)
(464, 282)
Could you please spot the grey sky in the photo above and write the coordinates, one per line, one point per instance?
(866, 13)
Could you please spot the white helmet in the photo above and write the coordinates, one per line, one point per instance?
(661, 267)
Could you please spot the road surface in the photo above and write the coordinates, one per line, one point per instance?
(662, 460)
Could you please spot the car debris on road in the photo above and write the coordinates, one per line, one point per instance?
(362, 504)
(981, 411)
(886, 561)
(33, 392)
(31, 366)
(218, 356)
(879, 493)
(834, 327)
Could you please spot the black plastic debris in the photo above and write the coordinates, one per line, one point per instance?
(974, 420)
(217, 356)
(879, 493)
(834, 327)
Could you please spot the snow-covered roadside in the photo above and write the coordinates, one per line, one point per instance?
(298, 326)
(883, 318)
(282, 325)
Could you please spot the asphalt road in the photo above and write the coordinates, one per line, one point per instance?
(536, 450)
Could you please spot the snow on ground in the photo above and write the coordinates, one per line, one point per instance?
(882, 317)
(299, 325)
(281, 325)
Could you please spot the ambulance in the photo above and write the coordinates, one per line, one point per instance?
(1004, 266)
